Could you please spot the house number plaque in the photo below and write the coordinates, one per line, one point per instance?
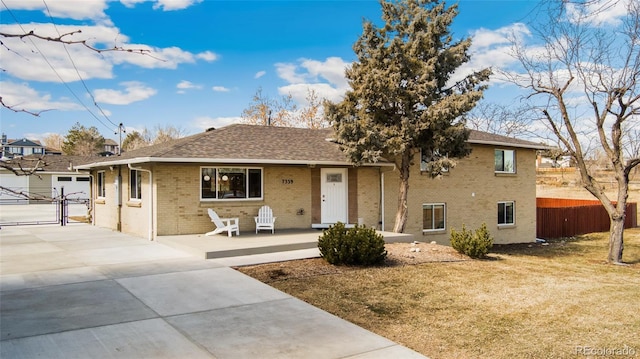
(287, 181)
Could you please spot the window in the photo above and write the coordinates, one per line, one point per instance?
(505, 161)
(506, 213)
(433, 217)
(230, 183)
(83, 179)
(428, 156)
(100, 184)
(64, 179)
(135, 184)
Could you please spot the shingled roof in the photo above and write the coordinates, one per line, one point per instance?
(49, 163)
(485, 138)
(241, 143)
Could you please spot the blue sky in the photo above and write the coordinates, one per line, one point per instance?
(208, 58)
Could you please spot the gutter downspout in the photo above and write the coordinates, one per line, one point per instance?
(150, 197)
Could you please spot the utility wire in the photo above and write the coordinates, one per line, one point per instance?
(53, 68)
(76, 68)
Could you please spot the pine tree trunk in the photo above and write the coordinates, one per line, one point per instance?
(403, 190)
(616, 243)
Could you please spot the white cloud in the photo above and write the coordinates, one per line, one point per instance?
(313, 71)
(205, 122)
(186, 85)
(299, 92)
(485, 38)
(492, 49)
(259, 74)
(77, 10)
(23, 97)
(287, 72)
(599, 12)
(131, 3)
(220, 89)
(30, 51)
(89, 64)
(207, 56)
(134, 92)
(169, 5)
(165, 58)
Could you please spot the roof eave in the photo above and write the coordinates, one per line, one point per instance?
(139, 160)
(509, 144)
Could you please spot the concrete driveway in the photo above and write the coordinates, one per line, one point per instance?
(85, 292)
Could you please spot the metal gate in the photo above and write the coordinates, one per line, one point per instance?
(17, 212)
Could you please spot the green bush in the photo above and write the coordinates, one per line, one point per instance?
(354, 246)
(475, 245)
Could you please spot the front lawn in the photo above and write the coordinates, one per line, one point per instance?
(527, 301)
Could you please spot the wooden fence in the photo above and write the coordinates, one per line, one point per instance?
(558, 217)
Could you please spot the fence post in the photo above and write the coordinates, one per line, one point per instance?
(63, 208)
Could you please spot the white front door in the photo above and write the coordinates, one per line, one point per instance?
(334, 195)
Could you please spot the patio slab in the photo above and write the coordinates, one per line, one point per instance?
(249, 243)
(198, 290)
(265, 330)
(57, 308)
(152, 338)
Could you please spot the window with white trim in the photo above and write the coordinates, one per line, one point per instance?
(505, 161)
(100, 184)
(433, 217)
(230, 183)
(135, 185)
(506, 213)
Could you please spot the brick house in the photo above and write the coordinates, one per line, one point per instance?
(166, 189)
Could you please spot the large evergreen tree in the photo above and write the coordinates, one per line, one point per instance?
(404, 98)
(83, 141)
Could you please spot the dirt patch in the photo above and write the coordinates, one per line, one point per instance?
(398, 254)
(418, 252)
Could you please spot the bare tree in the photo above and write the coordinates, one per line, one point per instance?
(312, 114)
(583, 79)
(165, 134)
(500, 119)
(264, 110)
(53, 141)
(283, 112)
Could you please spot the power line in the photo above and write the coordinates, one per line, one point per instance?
(53, 68)
(75, 67)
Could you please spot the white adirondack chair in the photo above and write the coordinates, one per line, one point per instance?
(228, 225)
(265, 219)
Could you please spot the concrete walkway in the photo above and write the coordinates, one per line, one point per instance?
(85, 292)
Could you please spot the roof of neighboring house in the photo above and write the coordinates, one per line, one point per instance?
(50, 163)
(110, 142)
(241, 143)
(23, 142)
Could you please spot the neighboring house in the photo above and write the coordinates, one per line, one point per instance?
(20, 148)
(166, 189)
(111, 147)
(548, 162)
(54, 175)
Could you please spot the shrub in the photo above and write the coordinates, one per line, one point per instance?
(475, 245)
(354, 246)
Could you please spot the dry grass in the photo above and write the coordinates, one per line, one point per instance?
(527, 301)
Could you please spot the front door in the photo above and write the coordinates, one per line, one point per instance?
(334, 195)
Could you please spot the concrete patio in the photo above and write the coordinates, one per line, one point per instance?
(85, 292)
(303, 243)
